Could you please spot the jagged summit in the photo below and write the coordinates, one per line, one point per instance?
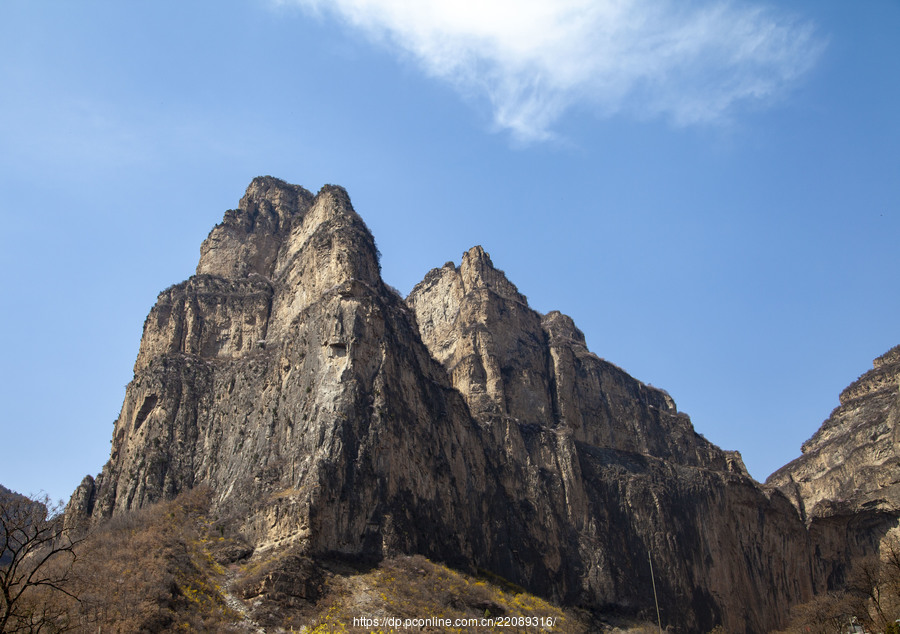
(477, 271)
(249, 237)
(846, 485)
(272, 223)
(329, 415)
(507, 360)
(273, 199)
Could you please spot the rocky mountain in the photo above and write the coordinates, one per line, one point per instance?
(846, 485)
(327, 413)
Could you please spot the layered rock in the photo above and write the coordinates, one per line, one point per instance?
(846, 485)
(327, 413)
(852, 463)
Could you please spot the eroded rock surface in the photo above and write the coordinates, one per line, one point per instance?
(610, 469)
(299, 398)
(846, 485)
(508, 361)
(327, 413)
(852, 463)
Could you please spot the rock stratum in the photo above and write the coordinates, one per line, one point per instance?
(327, 413)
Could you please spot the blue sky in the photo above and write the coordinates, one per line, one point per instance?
(710, 189)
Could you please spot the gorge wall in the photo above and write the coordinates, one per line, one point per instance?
(327, 412)
(846, 485)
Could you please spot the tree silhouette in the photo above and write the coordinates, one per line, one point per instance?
(36, 556)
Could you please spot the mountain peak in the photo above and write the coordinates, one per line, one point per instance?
(248, 238)
(328, 415)
(330, 247)
(268, 192)
(478, 273)
(862, 431)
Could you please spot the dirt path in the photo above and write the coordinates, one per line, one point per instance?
(235, 604)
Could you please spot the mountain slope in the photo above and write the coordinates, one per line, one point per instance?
(327, 414)
(846, 485)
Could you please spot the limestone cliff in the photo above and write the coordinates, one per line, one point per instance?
(326, 412)
(249, 238)
(508, 361)
(611, 469)
(846, 485)
(299, 398)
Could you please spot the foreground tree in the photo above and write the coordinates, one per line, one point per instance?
(870, 597)
(36, 556)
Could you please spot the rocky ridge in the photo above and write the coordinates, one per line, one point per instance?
(851, 464)
(328, 414)
(510, 362)
(846, 485)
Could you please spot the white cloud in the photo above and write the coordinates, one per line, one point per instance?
(691, 62)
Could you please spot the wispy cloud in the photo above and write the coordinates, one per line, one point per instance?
(691, 62)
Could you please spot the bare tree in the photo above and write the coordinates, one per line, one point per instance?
(36, 556)
(824, 614)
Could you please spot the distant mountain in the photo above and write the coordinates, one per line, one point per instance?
(331, 416)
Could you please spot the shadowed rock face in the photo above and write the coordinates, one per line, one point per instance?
(327, 412)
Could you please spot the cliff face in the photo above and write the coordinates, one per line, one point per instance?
(326, 412)
(610, 469)
(509, 362)
(851, 464)
(846, 485)
(250, 237)
(298, 397)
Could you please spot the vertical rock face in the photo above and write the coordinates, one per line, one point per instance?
(608, 468)
(299, 397)
(331, 247)
(846, 485)
(852, 463)
(326, 412)
(475, 322)
(509, 361)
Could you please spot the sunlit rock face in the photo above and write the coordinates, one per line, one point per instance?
(846, 485)
(297, 387)
(329, 413)
(508, 361)
(250, 237)
(608, 466)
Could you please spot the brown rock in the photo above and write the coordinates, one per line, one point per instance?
(249, 237)
(327, 414)
(509, 361)
(846, 485)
